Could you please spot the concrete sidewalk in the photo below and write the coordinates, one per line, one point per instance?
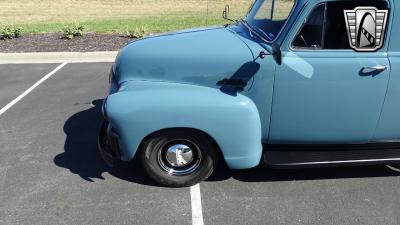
(57, 57)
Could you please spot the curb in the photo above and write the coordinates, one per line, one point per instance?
(57, 57)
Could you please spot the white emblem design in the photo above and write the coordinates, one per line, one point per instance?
(366, 28)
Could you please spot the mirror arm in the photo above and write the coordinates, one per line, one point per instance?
(261, 55)
(275, 52)
(225, 14)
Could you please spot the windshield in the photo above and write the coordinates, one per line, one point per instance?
(268, 17)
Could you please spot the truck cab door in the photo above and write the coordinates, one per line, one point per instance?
(325, 92)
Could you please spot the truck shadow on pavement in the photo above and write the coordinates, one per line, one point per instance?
(266, 174)
(81, 154)
(81, 157)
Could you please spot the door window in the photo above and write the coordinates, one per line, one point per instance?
(325, 27)
(311, 34)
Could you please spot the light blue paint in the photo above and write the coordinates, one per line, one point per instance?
(263, 81)
(143, 107)
(335, 105)
(202, 57)
(298, 65)
(170, 80)
(388, 128)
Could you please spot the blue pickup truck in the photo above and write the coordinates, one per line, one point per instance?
(295, 83)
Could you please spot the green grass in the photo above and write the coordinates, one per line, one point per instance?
(114, 16)
(120, 25)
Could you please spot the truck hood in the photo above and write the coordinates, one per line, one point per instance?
(203, 57)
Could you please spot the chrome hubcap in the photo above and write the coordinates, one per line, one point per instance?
(179, 157)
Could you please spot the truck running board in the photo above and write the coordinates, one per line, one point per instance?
(282, 156)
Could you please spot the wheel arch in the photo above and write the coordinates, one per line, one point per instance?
(231, 121)
(146, 138)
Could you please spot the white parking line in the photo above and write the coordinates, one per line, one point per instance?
(197, 212)
(17, 99)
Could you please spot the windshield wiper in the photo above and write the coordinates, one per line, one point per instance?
(247, 25)
(255, 30)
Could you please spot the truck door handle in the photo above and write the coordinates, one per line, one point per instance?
(378, 68)
(373, 70)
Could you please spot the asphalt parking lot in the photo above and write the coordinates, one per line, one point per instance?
(51, 172)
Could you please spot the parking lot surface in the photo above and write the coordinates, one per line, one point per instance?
(51, 172)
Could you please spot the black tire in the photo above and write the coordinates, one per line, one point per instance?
(156, 164)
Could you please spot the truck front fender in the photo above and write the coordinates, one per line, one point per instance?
(141, 108)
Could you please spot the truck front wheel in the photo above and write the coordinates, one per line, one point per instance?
(179, 157)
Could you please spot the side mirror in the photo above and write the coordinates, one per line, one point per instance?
(225, 13)
(277, 53)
